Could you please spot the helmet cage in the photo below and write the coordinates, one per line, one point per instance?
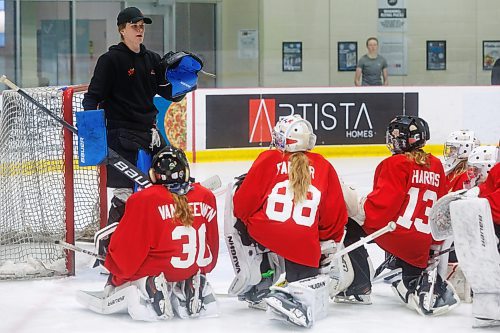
(292, 134)
(481, 161)
(458, 147)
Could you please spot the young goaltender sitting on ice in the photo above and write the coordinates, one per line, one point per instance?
(162, 248)
(472, 217)
(288, 193)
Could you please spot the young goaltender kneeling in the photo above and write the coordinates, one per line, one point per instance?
(164, 245)
(405, 187)
(290, 201)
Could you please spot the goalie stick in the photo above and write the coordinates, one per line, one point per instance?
(114, 159)
(78, 249)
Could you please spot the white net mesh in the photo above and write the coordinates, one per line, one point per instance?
(32, 179)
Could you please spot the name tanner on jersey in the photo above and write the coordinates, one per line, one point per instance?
(198, 208)
(283, 167)
(425, 177)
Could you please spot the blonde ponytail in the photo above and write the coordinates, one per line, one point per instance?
(299, 176)
(183, 212)
(419, 156)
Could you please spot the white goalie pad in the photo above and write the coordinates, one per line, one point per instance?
(306, 303)
(245, 258)
(96, 301)
(477, 253)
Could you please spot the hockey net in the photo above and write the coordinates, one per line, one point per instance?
(44, 195)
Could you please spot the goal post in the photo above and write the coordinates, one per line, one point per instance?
(44, 195)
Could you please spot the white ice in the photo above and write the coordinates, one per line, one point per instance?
(50, 306)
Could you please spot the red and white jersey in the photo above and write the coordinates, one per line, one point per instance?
(149, 240)
(455, 182)
(404, 192)
(265, 204)
(490, 190)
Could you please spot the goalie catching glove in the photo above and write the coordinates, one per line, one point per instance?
(181, 71)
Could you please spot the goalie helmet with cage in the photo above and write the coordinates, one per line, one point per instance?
(292, 134)
(406, 133)
(481, 160)
(170, 168)
(458, 147)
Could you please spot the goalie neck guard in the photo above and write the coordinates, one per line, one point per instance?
(170, 168)
(292, 134)
(406, 133)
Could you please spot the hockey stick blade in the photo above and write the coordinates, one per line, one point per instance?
(212, 183)
(78, 249)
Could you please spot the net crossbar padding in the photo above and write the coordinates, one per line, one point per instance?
(44, 195)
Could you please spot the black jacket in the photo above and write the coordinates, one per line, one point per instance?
(124, 84)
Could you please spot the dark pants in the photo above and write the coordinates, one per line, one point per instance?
(127, 143)
(359, 259)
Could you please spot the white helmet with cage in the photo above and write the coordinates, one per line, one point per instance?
(458, 147)
(481, 161)
(292, 134)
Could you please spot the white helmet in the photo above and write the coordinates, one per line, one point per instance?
(292, 133)
(458, 147)
(480, 162)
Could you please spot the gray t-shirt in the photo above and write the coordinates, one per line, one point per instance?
(371, 70)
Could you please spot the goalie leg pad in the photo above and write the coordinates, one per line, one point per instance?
(486, 306)
(301, 302)
(475, 239)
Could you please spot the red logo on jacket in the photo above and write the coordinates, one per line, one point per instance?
(261, 119)
(131, 71)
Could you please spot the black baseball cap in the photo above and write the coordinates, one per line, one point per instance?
(131, 15)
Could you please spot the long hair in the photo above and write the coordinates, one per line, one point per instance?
(459, 169)
(299, 176)
(419, 156)
(183, 212)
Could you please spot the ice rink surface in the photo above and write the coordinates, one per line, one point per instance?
(50, 305)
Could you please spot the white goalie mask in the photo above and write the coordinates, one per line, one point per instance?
(481, 161)
(458, 147)
(292, 133)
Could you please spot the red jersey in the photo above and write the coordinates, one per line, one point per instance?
(265, 204)
(148, 240)
(404, 192)
(490, 190)
(455, 182)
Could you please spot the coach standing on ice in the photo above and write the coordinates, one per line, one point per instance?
(126, 78)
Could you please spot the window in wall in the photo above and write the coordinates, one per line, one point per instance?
(7, 40)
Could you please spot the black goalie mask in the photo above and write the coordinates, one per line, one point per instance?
(406, 133)
(170, 168)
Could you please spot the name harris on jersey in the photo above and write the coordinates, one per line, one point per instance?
(425, 177)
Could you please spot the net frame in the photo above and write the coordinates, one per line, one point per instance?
(27, 248)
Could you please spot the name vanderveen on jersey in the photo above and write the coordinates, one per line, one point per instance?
(425, 177)
(198, 208)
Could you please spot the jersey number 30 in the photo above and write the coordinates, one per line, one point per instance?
(280, 206)
(193, 254)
